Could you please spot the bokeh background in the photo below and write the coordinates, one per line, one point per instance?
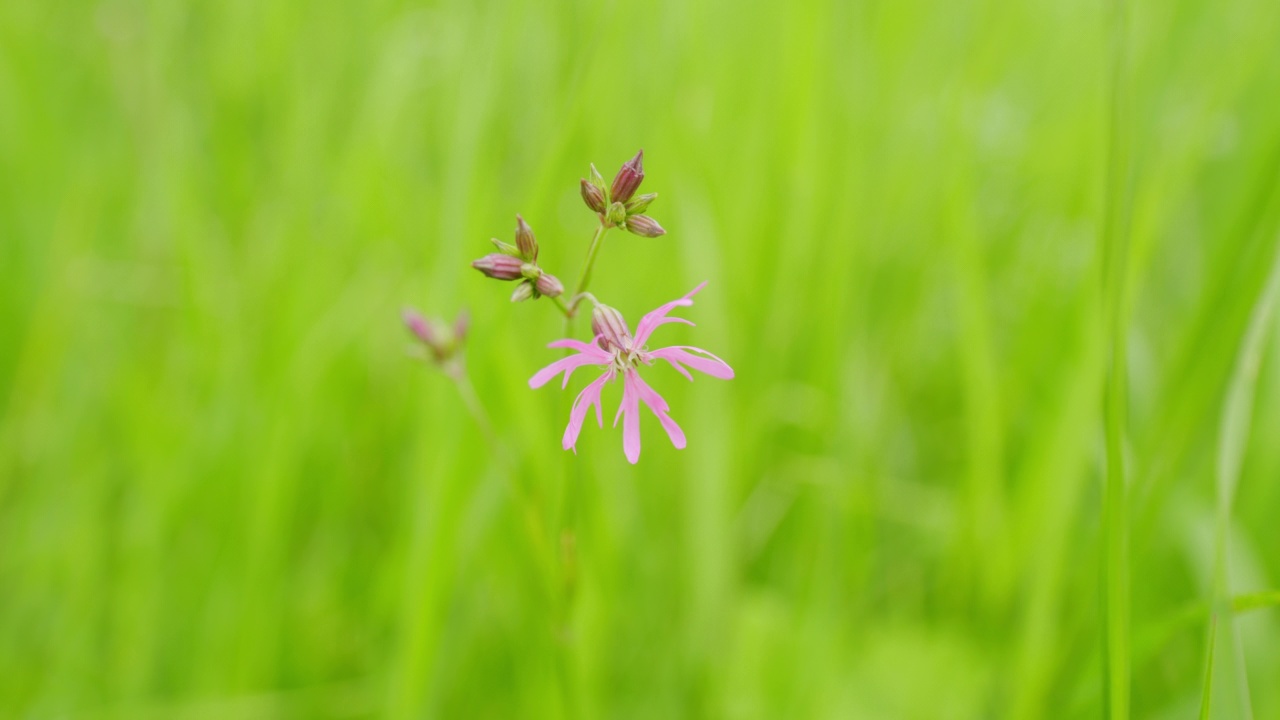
(226, 490)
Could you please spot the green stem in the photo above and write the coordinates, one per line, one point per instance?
(584, 278)
(563, 308)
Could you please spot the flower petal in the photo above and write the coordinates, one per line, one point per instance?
(589, 396)
(683, 354)
(659, 407)
(566, 366)
(588, 348)
(658, 317)
(631, 417)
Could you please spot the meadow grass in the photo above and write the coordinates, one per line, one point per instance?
(1003, 439)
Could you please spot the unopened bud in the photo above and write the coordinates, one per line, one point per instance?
(644, 226)
(593, 196)
(524, 291)
(529, 271)
(420, 327)
(525, 241)
(460, 326)
(505, 248)
(608, 324)
(441, 341)
(628, 179)
(617, 214)
(640, 204)
(550, 286)
(595, 178)
(499, 267)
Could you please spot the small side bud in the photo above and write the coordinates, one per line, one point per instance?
(628, 179)
(644, 226)
(608, 324)
(640, 204)
(420, 327)
(524, 291)
(548, 285)
(460, 326)
(505, 248)
(593, 197)
(499, 267)
(525, 241)
(529, 271)
(617, 214)
(441, 341)
(596, 179)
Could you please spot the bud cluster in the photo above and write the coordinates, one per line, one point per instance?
(617, 204)
(441, 340)
(520, 262)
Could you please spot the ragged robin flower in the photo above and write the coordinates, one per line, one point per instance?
(622, 354)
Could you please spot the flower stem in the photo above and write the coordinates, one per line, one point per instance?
(563, 308)
(587, 266)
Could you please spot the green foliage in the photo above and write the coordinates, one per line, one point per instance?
(225, 491)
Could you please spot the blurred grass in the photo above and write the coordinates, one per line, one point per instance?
(225, 492)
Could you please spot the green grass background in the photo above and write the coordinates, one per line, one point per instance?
(226, 492)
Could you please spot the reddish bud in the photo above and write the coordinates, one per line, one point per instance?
(460, 326)
(420, 327)
(609, 325)
(525, 241)
(593, 196)
(628, 179)
(644, 226)
(499, 267)
(548, 285)
(440, 340)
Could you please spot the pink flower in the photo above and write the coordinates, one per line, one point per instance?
(622, 354)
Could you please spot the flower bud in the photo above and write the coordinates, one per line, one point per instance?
(499, 267)
(628, 179)
(524, 291)
(595, 178)
(548, 285)
(640, 204)
(460, 326)
(420, 327)
(644, 226)
(593, 196)
(617, 214)
(611, 328)
(525, 241)
(529, 271)
(505, 248)
(441, 341)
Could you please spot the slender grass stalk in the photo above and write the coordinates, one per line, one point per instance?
(1208, 668)
(1233, 439)
(1115, 510)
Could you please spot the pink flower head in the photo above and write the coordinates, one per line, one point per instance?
(621, 354)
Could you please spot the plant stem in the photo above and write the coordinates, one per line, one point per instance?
(585, 277)
(563, 308)
(568, 512)
(1233, 441)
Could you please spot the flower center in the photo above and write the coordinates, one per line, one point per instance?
(626, 359)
